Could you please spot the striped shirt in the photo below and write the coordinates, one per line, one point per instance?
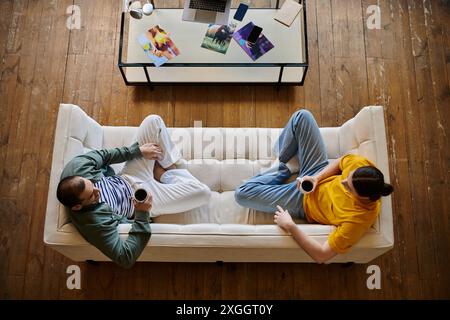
(117, 193)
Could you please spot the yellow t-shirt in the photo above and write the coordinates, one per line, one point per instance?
(332, 204)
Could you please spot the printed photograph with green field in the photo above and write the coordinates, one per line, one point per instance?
(218, 37)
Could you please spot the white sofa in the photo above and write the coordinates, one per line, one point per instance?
(221, 230)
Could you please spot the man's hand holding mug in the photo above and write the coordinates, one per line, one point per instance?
(142, 200)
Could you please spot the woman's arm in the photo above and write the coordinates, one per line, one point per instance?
(320, 253)
(331, 169)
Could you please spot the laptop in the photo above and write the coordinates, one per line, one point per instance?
(207, 11)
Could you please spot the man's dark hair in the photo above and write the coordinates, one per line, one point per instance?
(369, 182)
(69, 190)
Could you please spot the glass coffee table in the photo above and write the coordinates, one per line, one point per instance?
(285, 64)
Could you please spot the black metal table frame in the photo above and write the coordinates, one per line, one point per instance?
(149, 83)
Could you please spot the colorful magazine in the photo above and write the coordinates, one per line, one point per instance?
(218, 37)
(158, 46)
(256, 50)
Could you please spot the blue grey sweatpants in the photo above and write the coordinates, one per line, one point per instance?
(300, 137)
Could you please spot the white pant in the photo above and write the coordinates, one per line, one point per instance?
(179, 190)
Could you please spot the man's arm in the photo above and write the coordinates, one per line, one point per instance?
(106, 238)
(89, 165)
(320, 253)
(104, 157)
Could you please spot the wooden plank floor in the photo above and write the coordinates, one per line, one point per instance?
(404, 66)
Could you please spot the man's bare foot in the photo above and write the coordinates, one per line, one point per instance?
(171, 167)
(158, 171)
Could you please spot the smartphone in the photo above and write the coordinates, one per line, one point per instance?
(240, 12)
(254, 34)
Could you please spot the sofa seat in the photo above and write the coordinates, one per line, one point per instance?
(220, 230)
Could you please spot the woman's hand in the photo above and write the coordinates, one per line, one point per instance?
(151, 151)
(283, 219)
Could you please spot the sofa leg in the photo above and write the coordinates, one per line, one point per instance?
(92, 262)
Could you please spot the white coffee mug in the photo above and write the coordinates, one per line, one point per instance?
(147, 9)
(306, 185)
(140, 195)
(137, 11)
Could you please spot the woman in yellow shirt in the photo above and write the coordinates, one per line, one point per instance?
(345, 193)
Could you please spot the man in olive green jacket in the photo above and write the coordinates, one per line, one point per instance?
(99, 200)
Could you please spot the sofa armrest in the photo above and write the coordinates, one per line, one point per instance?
(381, 143)
(366, 134)
(75, 134)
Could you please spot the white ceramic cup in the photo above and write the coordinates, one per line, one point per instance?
(140, 195)
(147, 9)
(135, 5)
(306, 185)
(135, 9)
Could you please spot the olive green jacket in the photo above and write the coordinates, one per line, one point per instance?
(97, 223)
